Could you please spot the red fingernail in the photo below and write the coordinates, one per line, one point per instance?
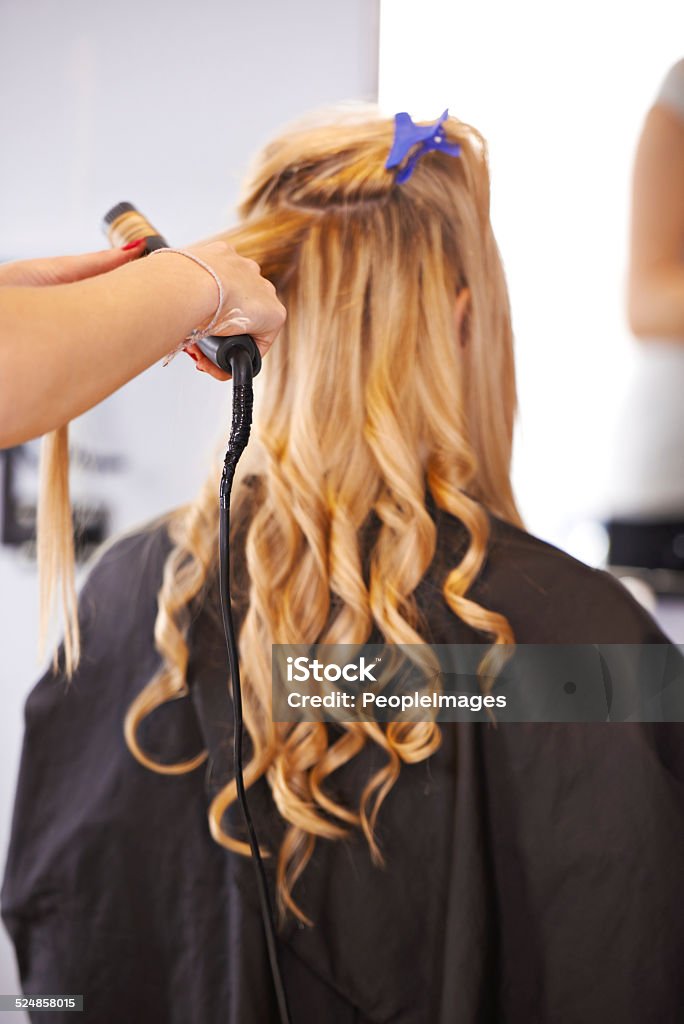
(133, 245)
(191, 354)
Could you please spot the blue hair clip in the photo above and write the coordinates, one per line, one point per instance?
(408, 135)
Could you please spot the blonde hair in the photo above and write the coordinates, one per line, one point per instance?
(366, 398)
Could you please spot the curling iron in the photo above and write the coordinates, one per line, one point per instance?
(239, 356)
(123, 224)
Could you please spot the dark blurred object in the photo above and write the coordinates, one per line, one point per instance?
(17, 522)
(18, 516)
(650, 549)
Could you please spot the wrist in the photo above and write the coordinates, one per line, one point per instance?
(186, 284)
(201, 284)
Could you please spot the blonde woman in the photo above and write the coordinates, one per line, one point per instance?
(423, 873)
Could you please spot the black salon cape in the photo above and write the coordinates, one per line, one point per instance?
(534, 873)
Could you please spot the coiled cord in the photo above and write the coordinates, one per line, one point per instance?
(243, 397)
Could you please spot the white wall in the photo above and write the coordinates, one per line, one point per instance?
(160, 103)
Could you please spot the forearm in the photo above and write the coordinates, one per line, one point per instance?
(64, 348)
(656, 303)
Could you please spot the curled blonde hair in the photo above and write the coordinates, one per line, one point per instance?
(367, 397)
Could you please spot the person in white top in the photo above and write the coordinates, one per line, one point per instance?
(647, 525)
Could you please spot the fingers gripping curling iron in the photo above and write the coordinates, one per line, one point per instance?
(123, 224)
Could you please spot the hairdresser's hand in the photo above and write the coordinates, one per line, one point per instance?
(65, 269)
(250, 304)
(94, 322)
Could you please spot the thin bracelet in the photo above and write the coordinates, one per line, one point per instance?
(196, 334)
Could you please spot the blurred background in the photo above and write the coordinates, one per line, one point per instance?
(163, 103)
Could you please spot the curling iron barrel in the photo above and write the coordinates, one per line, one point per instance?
(124, 224)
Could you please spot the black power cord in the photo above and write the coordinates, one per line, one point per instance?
(242, 368)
